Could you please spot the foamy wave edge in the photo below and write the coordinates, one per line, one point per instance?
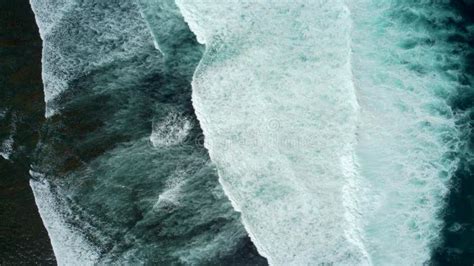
(70, 246)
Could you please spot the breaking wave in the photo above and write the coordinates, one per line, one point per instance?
(361, 90)
(275, 98)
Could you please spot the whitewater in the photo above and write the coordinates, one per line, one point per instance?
(408, 136)
(329, 124)
(295, 196)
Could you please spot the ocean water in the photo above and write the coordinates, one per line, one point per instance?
(120, 175)
(23, 238)
(363, 91)
(256, 132)
(458, 214)
(409, 140)
(267, 122)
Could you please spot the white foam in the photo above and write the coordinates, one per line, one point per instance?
(405, 127)
(3, 113)
(70, 246)
(274, 75)
(6, 149)
(172, 130)
(48, 13)
(80, 37)
(275, 99)
(173, 189)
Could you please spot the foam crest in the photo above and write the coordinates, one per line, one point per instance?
(275, 98)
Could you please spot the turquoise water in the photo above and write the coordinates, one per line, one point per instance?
(363, 91)
(255, 132)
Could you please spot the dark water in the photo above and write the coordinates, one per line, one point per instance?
(23, 238)
(133, 202)
(458, 234)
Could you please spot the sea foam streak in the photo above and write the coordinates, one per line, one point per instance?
(275, 98)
